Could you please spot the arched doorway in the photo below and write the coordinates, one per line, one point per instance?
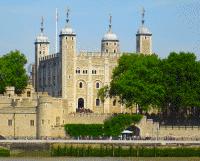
(80, 103)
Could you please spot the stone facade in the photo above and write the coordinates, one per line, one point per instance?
(77, 76)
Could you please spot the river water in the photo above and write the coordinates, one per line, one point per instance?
(98, 159)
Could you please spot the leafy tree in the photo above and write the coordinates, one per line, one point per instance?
(137, 80)
(12, 71)
(181, 80)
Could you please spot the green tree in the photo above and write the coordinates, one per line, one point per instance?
(12, 71)
(181, 80)
(137, 80)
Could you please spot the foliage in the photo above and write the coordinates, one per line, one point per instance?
(76, 130)
(116, 124)
(181, 81)
(12, 71)
(111, 127)
(103, 93)
(4, 152)
(122, 151)
(137, 80)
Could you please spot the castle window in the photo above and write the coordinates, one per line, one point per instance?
(114, 51)
(106, 50)
(42, 122)
(94, 71)
(28, 94)
(31, 122)
(97, 102)
(115, 43)
(107, 43)
(66, 37)
(84, 71)
(97, 85)
(9, 122)
(114, 103)
(40, 52)
(80, 85)
(72, 38)
(78, 71)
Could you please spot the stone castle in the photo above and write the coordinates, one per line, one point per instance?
(77, 77)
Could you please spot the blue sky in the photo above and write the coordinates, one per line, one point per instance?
(175, 24)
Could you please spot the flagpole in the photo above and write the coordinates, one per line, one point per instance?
(56, 44)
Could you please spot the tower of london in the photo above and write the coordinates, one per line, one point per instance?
(77, 76)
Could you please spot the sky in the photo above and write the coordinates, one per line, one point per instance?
(175, 24)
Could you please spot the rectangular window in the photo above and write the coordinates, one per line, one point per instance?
(9, 122)
(97, 102)
(31, 122)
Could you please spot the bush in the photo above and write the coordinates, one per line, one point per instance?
(4, 153)
(76, 130)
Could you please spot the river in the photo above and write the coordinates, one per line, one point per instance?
(98, 159)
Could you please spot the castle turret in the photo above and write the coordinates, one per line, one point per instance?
(41, 50)
(110, 42)
(143, 38)
(68, 55)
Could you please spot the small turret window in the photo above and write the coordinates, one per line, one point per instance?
(114, 51)
(80, 85)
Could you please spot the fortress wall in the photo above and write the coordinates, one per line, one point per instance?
(20, 126)
(86, 118)
(179, 131)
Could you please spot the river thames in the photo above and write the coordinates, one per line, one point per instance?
(98, 159)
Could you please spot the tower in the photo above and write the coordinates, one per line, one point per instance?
(143, 38)
(41, 50)
(110, 42)
(68, 56)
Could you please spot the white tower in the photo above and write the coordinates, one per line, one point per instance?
(144, 38)
(41, 50)
(110, 42)
(68, 55)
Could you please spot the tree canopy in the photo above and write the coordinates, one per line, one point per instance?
(171, 84)
(12, 71)
(137, 80)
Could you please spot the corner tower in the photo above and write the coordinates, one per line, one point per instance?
(110, 42)
(144, 38)
(68, 56)
(41, 50)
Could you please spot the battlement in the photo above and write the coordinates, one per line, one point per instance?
(48, 57)
(97, 54)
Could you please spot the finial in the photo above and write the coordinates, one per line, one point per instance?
(42, 24)
(67, 20)
(143, 14)
(110, 23)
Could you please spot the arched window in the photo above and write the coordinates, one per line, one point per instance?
(80, 85)
(28, 94)
(97, 102)
(97, 85)
(114, 103)
(114, 51)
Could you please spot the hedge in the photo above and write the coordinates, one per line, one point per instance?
(129, 151)
(113, 126)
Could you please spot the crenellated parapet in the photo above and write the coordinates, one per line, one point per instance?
(98, 54)
(48, 57)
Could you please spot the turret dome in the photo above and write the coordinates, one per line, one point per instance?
(143, 30)
(42, 38)
(110, 36)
